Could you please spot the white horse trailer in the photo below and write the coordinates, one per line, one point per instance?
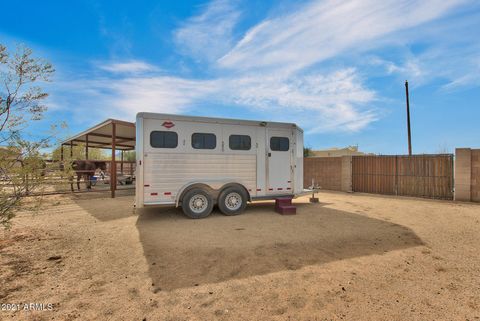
(197, 162)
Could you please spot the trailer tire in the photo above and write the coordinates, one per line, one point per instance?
(232, 201)
(197, 203)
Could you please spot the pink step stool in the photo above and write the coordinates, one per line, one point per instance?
(284, 206)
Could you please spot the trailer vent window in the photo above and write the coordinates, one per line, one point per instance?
(162, 139)
(240, 142)
(280, 144)
(204, 141)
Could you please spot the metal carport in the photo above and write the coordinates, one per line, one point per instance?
(111, 134)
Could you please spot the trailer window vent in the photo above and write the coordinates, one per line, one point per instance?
(204, 141)
(239, 142)
(279, 144)
(163, 139)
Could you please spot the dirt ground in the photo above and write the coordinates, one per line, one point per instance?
(350, 257)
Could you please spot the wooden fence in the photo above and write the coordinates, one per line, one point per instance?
(123, 168)
(325, 171)
(58, 180)
(418, 175)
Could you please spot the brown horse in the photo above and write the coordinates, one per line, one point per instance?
(86, 169)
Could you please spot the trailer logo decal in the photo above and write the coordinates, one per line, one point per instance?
(168, 124)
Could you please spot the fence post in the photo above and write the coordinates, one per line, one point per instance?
(396, 174)
(463, 174)
(452, 176)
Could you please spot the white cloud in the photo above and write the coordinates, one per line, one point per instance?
(442, 51)
(208, 35)
(320, 102)
(156, 94)
(468, 78)
(265, 71)
(132, 66)
(324, 29)
(333, 101)
(411, 68)
(124, 97)
(462, 81)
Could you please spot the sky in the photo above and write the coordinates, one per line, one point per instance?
(336, 68)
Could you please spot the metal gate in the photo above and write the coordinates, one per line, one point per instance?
(428, 176)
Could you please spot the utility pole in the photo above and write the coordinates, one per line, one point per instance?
(408, 120)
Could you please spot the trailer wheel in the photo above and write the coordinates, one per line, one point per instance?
(197, 203)
(232, 201)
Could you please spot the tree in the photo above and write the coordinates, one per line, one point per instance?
(443, 149)
(22, 168)
(129, 156)
(307, 152)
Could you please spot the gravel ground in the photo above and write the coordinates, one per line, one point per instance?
(350, 257)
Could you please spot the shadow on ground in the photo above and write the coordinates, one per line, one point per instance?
(103, 207)
(183, 252)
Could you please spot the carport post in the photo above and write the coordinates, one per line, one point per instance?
(86, 147)
(61, 153)
(131, 167)
(71, 149)
(121, 163)
(113, 167)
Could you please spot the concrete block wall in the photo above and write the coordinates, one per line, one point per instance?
(475, 176)
(467, 174)
(463, 173)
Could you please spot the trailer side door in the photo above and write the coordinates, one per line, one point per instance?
(279, 161)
